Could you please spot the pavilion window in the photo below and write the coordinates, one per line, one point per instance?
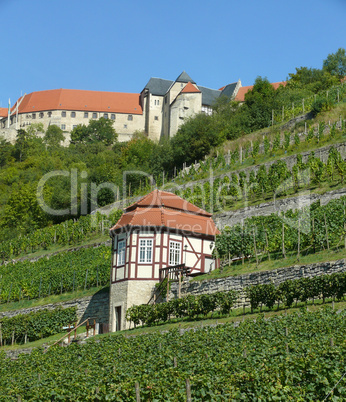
(121, 252)
(145, 250)
(174, 253)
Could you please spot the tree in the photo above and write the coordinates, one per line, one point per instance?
(22, 212)
(194, 139)
(34, 129)
(22, 143)
(54, 135)
(6, 149)
(79, 134)
(101, 130)
(312, 79)
(260, 103)
(335, 63)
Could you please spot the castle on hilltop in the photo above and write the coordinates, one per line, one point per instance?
(158, 110)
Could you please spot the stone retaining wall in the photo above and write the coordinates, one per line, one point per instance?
(240, 282)
(95, 307)
(229, 218)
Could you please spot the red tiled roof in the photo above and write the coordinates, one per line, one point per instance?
(3, 112)
(164, 209)
(240, 97)
(189, 88)
(158, 198)
(81, 100)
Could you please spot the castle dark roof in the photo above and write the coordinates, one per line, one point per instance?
(209, 95)
(158, 86)
(229, 89)
(184, 77)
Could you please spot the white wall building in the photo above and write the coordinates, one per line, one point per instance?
(161, 230)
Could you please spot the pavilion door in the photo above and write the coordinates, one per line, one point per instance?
(117, 318)
(209, 264)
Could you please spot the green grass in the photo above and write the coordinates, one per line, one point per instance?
(78, 294)
(237, 268)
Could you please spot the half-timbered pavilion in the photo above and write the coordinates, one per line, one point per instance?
(159, 232)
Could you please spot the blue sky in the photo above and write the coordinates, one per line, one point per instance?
(112, 45)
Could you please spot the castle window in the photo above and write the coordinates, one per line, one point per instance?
(94, 115)
(63, 127)
(112, 116)
(130, 117)
(34, 115)
(49, 114)
(121, 253)
(174, 253)
(73, 114)
(145, 250)
(105, 115)
(63, 114)
(156, 117)
(158, 101)
(125, 125)
(86, 115)
(41, 115)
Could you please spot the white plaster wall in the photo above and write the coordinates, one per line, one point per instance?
(124, 127)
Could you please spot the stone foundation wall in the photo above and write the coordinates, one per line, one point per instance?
(240, 282)
(125, 294)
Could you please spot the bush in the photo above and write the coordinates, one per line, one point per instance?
(321, 104)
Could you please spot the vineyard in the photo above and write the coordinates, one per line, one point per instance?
(71, 232)
(278, 180)
(298, 357)
(268, 146)
(64, 272)
(304, 231)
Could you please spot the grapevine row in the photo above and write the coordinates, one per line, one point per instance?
(278, 180)
(64, 272)
(309, 230)
(70, 232)
(268, 147)
(35, 325)
(189, 306)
